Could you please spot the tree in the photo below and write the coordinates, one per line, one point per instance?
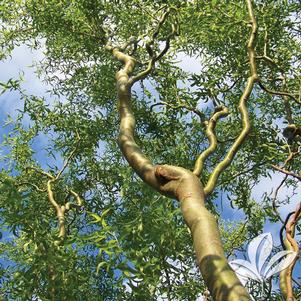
(83, 224)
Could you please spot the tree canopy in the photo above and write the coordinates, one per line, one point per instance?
(132, 162)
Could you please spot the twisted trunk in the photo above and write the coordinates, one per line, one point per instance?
(183, 185)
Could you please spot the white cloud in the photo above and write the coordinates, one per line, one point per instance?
(20, 62)
(189, 63)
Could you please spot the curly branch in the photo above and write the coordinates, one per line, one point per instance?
(181, 184)
(140, 163)
(283, 228)
(210, 127)
(167, 42)
(159, 25)
(291, 245)
(292, 154)
(60, 211)
(79, 200)
(153, 56)
(242, 107)
(148, 47)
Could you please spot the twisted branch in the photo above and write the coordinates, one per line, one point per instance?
(275, 196)
(210, 127)
(153, 56)
(290, 244)
(181, 184)
(242, 107)
(59, 209)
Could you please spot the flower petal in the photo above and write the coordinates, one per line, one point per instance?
(283, 264)
(266, 247)
(244, 268)
(265, 241)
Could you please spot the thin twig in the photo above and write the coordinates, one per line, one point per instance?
(148, 46)
(279, 93)
(243, 172)
(287, 172)
(266, 58)
(183, 106)
(31, 184)
(66, 163)
(42, 172)
(274, 199)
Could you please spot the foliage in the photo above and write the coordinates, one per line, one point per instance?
(127, 242)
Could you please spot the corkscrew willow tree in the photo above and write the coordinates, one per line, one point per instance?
(83, 225)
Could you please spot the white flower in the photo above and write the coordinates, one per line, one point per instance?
(257, 268)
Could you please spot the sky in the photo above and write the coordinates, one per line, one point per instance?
(21, 61)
